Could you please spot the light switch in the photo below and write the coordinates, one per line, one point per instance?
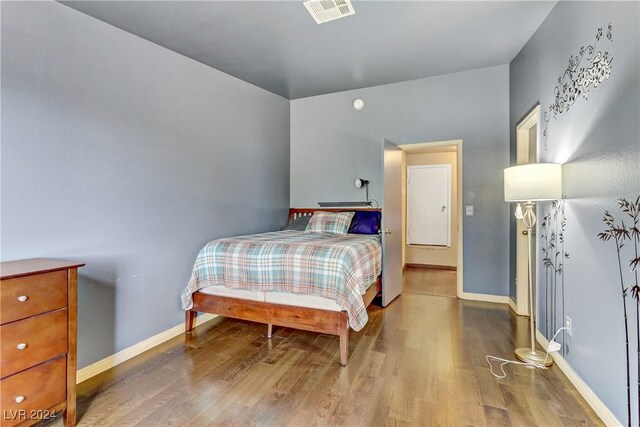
(469, 210)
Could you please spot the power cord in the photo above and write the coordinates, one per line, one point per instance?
(553, 346)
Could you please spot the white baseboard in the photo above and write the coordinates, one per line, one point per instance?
(512, 304)
(484, 297)
(136, 349)
(592, 399)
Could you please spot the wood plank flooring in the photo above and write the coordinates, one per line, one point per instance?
(420, 361)
(430, 281)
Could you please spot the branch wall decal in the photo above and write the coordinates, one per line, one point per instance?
(576, 80)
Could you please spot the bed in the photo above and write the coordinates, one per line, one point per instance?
(312, 281)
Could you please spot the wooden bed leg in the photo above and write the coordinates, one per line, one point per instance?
(344, 339)
(269, 330)
(189, 320)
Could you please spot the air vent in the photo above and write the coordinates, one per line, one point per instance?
(328, 10)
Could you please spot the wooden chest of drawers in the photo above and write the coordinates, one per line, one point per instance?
(38, 300)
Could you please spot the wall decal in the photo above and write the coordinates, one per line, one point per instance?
(621, 233)
(578, 78)
(553, 258)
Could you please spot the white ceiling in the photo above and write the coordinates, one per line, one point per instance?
(279, 47)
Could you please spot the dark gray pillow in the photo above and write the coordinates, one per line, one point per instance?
(299, 224)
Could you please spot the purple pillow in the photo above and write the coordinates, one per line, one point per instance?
(365, 222)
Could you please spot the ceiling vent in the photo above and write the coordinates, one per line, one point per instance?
(328, 10)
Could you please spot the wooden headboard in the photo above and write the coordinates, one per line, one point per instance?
(298, 212)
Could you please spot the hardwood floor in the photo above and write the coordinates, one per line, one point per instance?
(420, 361)
(430, 281)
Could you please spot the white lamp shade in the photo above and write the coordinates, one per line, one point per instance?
(533, 182)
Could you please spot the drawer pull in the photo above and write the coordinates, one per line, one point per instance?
(21, 346)
(19, 399)
(23, 298)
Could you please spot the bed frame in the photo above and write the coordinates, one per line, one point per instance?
(308, 319)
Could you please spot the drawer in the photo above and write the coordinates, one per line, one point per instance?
(31, 393)
(26, 296)
(31, 341)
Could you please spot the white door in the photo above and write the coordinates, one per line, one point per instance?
(392, 223)
(428, 201)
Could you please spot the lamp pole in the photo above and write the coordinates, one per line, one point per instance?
(531, 354)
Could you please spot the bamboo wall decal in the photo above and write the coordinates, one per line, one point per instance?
(553, 257)
(633, 211)
(620, 233)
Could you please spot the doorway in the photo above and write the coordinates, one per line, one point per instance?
(432, 260)
(527, 137)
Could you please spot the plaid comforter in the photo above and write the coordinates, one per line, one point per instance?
(337, 267)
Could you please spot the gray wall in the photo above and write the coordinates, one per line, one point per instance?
(129, 157)
(598, 140)
(332, 144)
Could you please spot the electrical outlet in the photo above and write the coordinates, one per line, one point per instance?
(568, 325)
(468, 210)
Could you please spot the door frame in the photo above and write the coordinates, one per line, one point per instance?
(523, 129)
(458, 143)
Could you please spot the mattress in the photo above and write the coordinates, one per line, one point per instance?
(286, 298)
(321, 270)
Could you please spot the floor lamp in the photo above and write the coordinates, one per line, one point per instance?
(528, 184)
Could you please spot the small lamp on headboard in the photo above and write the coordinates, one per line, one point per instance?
(360, 182)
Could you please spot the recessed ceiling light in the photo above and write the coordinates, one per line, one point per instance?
(328, 10)
(358, 104)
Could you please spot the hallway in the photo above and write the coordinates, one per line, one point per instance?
(430, 281)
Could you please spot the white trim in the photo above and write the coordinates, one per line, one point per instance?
(458, 143)
(512, 305)
(136, 349)
(485, 297)
(422, 145)
(522, 139)
(592, 399)
(533, 118)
